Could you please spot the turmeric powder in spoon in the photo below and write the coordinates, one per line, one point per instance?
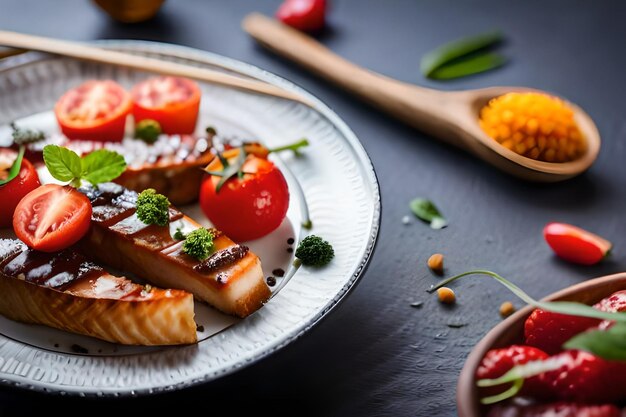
(534, 125)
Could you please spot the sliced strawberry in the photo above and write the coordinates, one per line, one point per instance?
(549, 331)
(559, 409)
(497, 362)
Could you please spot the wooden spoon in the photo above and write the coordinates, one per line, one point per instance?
(96, 54)
(511, 331)
(451, 116)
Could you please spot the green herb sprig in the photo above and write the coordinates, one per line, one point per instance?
(462, 57)
(427, 211)
(153, 208)
(229, 170)
(199, 243)
(96, 167)
(314, 251)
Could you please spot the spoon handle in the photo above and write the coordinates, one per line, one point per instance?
(96, 54)
(423, 108)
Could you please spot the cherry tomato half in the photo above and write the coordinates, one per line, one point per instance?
(575, 244)
(247, 208)
(304, 15)
(52, 217)
(174, 102)
(12, 192)
(95, 110)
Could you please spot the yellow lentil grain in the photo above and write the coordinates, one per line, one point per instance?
(535, 125)
(435, 263)
(446, 295)
(506, 309)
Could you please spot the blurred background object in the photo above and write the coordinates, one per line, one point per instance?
(130, 11)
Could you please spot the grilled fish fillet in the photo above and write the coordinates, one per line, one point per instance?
(231, 279)
(66, 291)
(172, 165)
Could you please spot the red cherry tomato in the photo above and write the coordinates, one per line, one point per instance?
(575, 244)
(304, 15)
(174, 102)
(52, 217)
(12, 192)
(248, 208)
(95, 110)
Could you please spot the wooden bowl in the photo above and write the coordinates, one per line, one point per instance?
(511, 330)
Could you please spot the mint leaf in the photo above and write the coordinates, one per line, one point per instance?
(15, 168)
(608, 344)
(427, 211)
(63, 164)
(102, 166)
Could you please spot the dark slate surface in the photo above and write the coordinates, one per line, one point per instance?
(375, 355)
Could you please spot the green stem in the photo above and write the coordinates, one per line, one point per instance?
(505, 395)
(562, 307)
(293, 147)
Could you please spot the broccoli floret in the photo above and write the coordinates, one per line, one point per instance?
(179, 235)
(314, 251)
(148, 130)
(153, 208)
(199, 243)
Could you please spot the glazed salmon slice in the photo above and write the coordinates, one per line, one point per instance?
(231, 279)
(66, 291)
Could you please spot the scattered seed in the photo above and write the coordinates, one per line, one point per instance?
(446, 295)
(290, 241)
(406, 220)
(456, 325)
(435, 263)
(417, 304)
(271, 281)
(290, 250)
(200, 328)
(506, 309)
(56, 345)
(279, 272)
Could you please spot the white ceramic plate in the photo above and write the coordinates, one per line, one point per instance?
(339, 190)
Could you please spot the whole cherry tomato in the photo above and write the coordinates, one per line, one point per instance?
(575, 244)
(95, 110)
(174, 102)
(304, 15)
(52, 217)
(12, 192)
(250, 207)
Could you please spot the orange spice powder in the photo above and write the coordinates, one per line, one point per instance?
(534, 125)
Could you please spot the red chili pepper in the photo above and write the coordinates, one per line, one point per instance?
(575, 244)
(304, 15)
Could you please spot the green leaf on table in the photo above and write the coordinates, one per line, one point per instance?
(15, 167)
(63, 164)
(102, 166)
(608, 344)
(455, 50)
(427, 211)
(469, 66)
